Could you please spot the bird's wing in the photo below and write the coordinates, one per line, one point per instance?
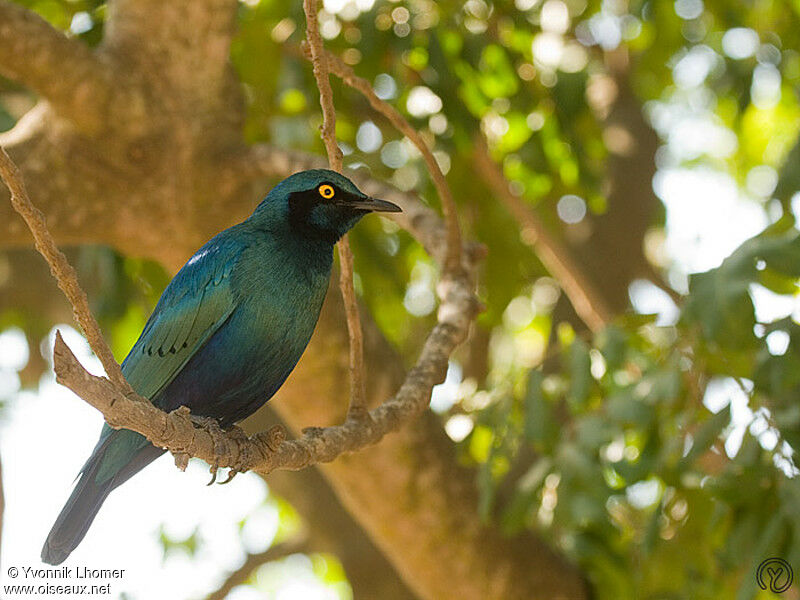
(194, 305)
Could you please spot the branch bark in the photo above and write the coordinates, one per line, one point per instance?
(63, 272)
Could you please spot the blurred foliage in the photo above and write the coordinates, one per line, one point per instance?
(657, 453)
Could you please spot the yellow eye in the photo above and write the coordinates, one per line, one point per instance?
(326, 191)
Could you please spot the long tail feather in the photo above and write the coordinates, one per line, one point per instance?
(88, 496)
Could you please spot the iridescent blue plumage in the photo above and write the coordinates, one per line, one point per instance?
(228, 329)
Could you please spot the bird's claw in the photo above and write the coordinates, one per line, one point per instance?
(231, 474)
(213, 471)
(221, 449)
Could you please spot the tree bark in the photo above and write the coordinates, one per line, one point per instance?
(617, 236)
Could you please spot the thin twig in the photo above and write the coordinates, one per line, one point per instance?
(339, 68)
(320, 67)
(358, 384)
(654, 277)
(358, 387)
(585, 299)
(65, 275)
(253, 561)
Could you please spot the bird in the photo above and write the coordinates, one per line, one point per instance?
(227, 330)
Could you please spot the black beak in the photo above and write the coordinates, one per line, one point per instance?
(372, 205)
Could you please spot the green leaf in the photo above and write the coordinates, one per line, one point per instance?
(705, 435)
(540, 424)
(580, 364)
(497, 78)
(719, 300)
(626, 409)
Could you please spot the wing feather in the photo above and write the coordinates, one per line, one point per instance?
(192, 308)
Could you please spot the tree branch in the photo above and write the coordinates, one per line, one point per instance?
(253, 561)
(319, 63)
(358, 393)
(62, 70)
(585, 299)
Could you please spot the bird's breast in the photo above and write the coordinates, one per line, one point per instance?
(245, 362)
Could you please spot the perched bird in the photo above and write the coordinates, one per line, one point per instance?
(228, 329)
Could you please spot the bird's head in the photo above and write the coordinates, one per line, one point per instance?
(320, 204)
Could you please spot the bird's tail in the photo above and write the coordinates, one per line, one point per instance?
(93, 487)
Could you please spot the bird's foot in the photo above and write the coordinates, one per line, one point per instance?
(221, 448)
(238, 434)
